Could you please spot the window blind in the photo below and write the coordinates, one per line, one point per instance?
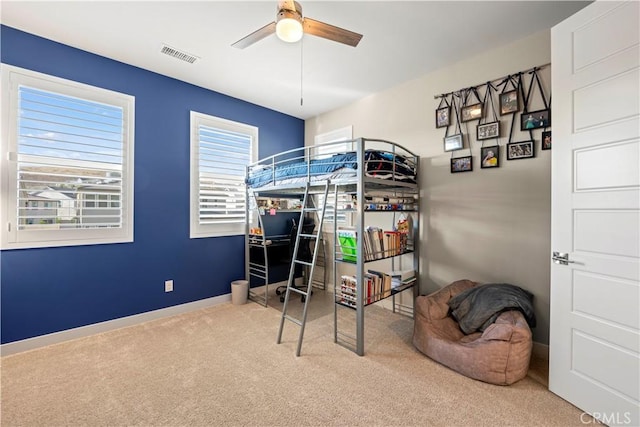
(222, 159)
(70, 158)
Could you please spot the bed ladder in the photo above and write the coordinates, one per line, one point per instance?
(307, 206)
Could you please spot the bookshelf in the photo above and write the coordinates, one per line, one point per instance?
(376, 259)
(378, 286)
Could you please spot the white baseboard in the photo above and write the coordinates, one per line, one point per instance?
(540, 350)
(109, 325)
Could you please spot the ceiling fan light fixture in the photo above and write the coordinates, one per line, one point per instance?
(289, 26)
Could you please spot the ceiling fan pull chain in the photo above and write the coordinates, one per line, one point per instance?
(301, 72)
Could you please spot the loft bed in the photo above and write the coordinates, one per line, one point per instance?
(378, 162)
(369, 170)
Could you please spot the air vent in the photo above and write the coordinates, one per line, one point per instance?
(183, 56)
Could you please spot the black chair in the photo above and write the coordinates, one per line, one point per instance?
(304, 253)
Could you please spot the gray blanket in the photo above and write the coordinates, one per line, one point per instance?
(478, 307)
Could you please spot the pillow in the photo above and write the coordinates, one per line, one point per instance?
(477, 308)
(389, 156)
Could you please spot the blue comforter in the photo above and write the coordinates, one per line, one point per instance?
(376, 162)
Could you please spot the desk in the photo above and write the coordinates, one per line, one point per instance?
(269, 263)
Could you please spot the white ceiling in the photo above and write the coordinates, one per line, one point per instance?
(402, 41)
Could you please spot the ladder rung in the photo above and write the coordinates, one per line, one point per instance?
(303, 262)
(298, 290)
(293, 319)
(310, 236)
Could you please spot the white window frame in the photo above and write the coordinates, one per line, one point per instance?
(11, 236)
(197, 230)
(336, 135)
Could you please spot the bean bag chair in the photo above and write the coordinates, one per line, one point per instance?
(498, 354)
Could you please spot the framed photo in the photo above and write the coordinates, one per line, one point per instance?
(535, 120)
(462, 164)
(546, 140)
(490, 157)
(488, 131)
(453, 142)
(442, 117)
(509, 102)
(520, 150)
(471, 112)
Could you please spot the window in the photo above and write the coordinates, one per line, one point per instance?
(220, 152)
(344, 200)
(62, 141)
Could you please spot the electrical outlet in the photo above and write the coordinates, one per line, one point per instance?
(168, 285)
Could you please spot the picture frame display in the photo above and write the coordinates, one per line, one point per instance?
(509, 102)
(462, 164)
(520, 150)
(488, 131)
(546, 140)
(453, 142)
(443, 117)
(535, 119)
(471, 112)
(490, 157)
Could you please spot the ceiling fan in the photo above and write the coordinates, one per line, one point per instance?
(290, 26)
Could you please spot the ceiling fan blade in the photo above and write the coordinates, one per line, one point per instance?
(331, 32)
(256, 36)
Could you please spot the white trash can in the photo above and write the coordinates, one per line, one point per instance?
(239, 292)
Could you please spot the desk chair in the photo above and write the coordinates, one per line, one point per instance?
(304, 253)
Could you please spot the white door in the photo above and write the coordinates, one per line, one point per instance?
(595, 317)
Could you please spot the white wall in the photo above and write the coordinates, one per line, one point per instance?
(488, 225)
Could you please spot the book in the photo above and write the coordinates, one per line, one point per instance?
(368, 246)
(348, 290)
(404, 274)
(394, 246)
(370, 288)
(400, 277)
(348, 244)
(383, 284)
(373, 235)
(381, 249)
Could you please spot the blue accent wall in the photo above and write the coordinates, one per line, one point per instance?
(53, 289)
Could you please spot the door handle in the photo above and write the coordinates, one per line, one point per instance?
(561, 258)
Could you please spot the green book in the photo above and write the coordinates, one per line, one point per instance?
(347, 239)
